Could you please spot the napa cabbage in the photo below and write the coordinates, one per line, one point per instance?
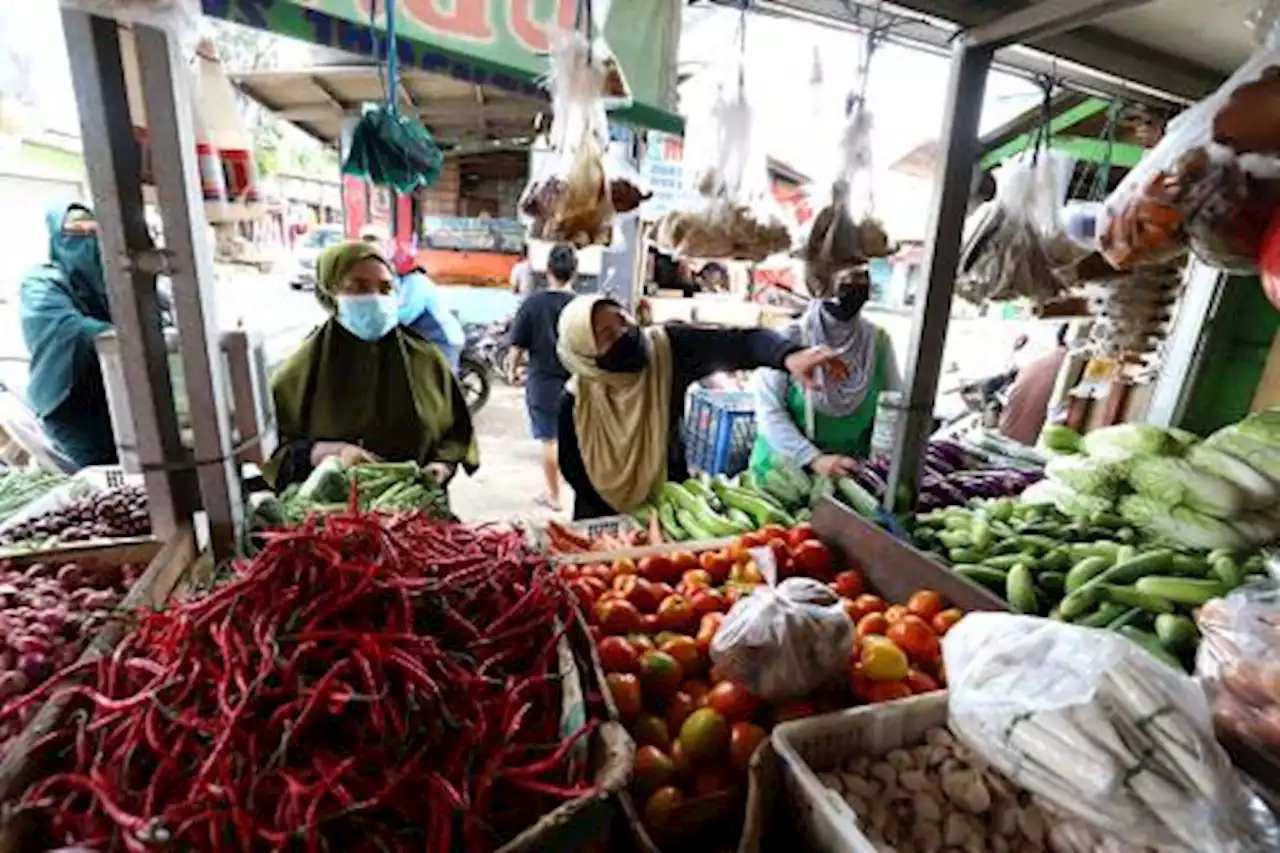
(1124, 441)
(1176, 481)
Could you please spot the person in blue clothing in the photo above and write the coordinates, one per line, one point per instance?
(63, 308)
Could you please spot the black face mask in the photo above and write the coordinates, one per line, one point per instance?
(629, 353)
(847, 304)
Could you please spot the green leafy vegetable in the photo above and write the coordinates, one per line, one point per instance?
(1181, 525)
(1123, 441)
(1176, 481)
(1087, 476)
(1259, 489)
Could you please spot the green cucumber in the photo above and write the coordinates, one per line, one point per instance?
(1084, 571)
(1057, 560)
(1186, 591)
(1151, 643)
(762, 511)
(740, 520)
(678, 497)
(1103, 548)
(1020, 590)
(859, 499)
(1132, 597)
(1190, 565)
(1107, 612)
(671, 529)
(1178, 633)
(1226, 569)
(1080, 600)
(1129, 617)
(991, 578)
(1052, 584)
(696, 487)
(964, 555)
(776, 484)
(1006, 561)
(822, 487)
(691, 524)
(980, 534)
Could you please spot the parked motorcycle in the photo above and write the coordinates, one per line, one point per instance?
(492, 346)
(474, 374)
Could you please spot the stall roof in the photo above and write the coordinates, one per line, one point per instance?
(1164, 50)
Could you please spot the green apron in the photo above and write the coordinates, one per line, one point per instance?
(847, 436)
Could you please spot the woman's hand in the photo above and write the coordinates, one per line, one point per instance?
(348, 454)
(804, 365)
(441, 472)
(834, 465)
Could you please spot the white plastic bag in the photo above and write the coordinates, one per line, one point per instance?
(785, 641)
(1100, 729)
(616, 91)
(1213, 181)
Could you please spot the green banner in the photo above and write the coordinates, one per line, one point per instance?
(499, 43)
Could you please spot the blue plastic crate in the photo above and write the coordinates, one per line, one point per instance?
(719, 431)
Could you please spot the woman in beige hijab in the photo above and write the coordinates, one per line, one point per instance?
(620, 418)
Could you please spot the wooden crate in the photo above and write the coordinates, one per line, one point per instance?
(890, 566)
(167, 564)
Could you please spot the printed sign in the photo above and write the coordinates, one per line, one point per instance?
(466, 234)
(663, 170)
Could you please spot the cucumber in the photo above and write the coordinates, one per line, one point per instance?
(1104, 548)
(1177, 633)
(740, 520)
(964, 555)
(1107, 612)
(991, 578)
(1036, 543)
(954, 538)
(1151, 643)
(696, 487)
(1052, 584)
(670, 527)
(678, 497)
(643, 514)
(859, 499)
(1020, 590)
(1080, 600)
(1131, 597)
(1186, 591)
(1225, 569)
(799, 480)
(822, 487)
(777, 485)
(712, 522)
(1128, 617)
(762, 511)
(1189, 564)
(1057, 560)
(1085, 570)
(980, 534)
(1006, 561)
(691, 524)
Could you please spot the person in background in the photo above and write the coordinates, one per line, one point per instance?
(621, 416)
(422, 311)
(1032, 392)
(522, 274)
(63, 308)
(533, 334)
(363, 388)
(843, 411)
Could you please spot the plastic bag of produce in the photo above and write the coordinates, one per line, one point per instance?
(1100, 729)
(785, 641)
(1213, 182)
(1238, 663)
(1017, 246)
(570, 198)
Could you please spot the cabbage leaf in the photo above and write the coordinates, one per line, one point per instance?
(1123, 441)
(1181, 525)
(1087, 476)
(1259, 489)
(1176, 481)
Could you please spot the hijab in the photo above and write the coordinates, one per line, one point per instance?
(855, 340)
(395, 396)
(621, 419)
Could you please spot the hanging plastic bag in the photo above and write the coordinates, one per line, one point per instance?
(615, 90)
(785, 641)
(1101, 729)
(1213, 182)
(1016, 246)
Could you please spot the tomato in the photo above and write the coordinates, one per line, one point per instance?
(746, 573)
(800, 533)
(618, 655)
(653, 769)
(772, 532)
(639, 592)
(860, 684)
(717, 565)
(812, 558)
(872, 623)
(698, 690)
(661, 808)
(920, 683)
(696, 578)
(617, 617)
(946, 620)
(793, 709)
(642, 642)
(754, 540)
(679, 707)
(744, 738)
(914, 636)
(649, 623)
(676, 613)
(782, 559)
(685, 651)
(864, 604)
(625, 690)
(733, 701)
(683, 766)
(707, 627)
(896, 612)
(926, 604)
(706, 601)
(660, 674)
(714, 780)
(652, 730)
(654, 568)
(705, 736)
(624, 566)
(887, 691)
(881, 659)
(848, 584)
(681, 562)
(736, 553)
(662, 589)
(584, 593)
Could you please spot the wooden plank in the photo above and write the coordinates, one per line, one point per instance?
(892, 568)
(113, 552)
(167, 565)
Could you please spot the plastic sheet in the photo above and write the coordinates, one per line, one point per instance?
(1101, 730)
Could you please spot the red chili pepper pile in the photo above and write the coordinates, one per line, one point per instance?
(378, 684)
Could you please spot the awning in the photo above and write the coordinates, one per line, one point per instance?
(497, 45)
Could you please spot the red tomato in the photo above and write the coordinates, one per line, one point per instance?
(675, 613)
(706, 601)
(926, 604)
(848, 584)
(800, 533)
(696, 578)
(793, 709)
(813, 559)
(782, 557)
(770, 532)
(896, 612)
(681, 562)
(625, 690)
(683, 766)
(736, 553)
(707, 628)
(872, 623)
(860, 683)
(618, 655)
(638, 591)
(685, 651)
(662, 589)
(887, 691)
(946, 620)
(705, 736)
(744, 738)
(864, 604)
(733, 701)
(653, 769)
(698, 690)
(914, 636)
(649, 622)
(617, 617)
(714, 780)
(660, 674)
(641, 642)
(655, 568)
(585, 594)
(661, 808)
(716, 564)
(679, 707)
(754, 540)
(652, 730)
(624, 566)
(919, 682)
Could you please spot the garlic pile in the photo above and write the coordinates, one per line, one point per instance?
(938, 797)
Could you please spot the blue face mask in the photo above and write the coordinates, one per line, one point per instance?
(369, 317)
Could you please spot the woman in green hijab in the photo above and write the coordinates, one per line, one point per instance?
(63, 309)
(361, 387)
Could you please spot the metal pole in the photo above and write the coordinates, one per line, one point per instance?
(1046, 18)
(967, 85)
(166, 90)
(112, 159)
